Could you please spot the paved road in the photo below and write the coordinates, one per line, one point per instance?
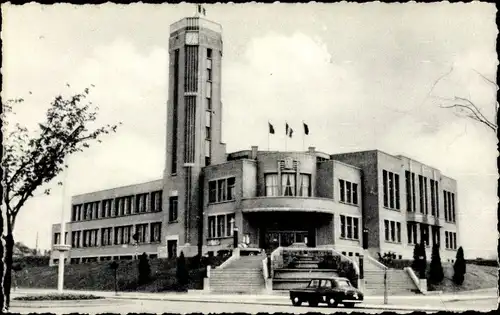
(183, 307)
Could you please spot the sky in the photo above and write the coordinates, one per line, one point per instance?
(360, 75)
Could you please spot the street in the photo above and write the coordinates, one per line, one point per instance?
(123, 305)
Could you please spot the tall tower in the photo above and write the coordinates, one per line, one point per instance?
(194, 113)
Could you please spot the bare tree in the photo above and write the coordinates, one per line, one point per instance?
(31, 160)
(466, 107)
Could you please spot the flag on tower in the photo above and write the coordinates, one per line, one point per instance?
(290, 133)
(306, 128)
(286, 128)
(271, 128)
(201, 10)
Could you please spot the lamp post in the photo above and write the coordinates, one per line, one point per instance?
(62, 247)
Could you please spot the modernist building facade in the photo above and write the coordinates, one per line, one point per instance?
(271, 198)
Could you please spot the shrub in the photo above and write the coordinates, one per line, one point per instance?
(459, 267)
(58, 297)
(416, 260)
(436, 274)
(422, 261)
(182, 272)
(346, 270)
(144, 269)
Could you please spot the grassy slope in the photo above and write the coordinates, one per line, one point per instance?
(476, 277)
(98, 276)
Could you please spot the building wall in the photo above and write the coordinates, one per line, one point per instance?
(367, 162)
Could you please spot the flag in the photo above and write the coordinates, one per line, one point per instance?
(290, 133)
(286, 129)
(201, 10)
(271, 128)
(306, 128)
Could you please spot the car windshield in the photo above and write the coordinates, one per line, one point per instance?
(343, 284)
(313, 283)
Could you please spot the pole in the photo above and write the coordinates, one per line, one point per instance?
(36, 244)
(385, 286)
(60, 277)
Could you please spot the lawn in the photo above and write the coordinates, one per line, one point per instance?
(98, 276)
(476, 277)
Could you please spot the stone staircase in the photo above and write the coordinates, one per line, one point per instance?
(243, 275)
(399, 281)
(306, 267)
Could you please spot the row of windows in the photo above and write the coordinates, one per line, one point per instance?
(221, 190)
(449, 206)
(288, 185)
(118, 235)
(348, 192)
(392, 231)
(451, 240)
(391, 190)
(208, 110)
(120, 206)
(83, 260)
(412, 228)
(349, 227)
(221, 225)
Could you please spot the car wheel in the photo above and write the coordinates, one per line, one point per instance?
(349, 305)
(332, 302)
(296, 301)
(313, 303)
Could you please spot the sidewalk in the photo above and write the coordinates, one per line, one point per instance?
(408, 302)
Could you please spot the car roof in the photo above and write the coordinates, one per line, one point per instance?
(329, 278)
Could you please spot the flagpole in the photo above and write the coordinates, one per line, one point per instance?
(268, 136)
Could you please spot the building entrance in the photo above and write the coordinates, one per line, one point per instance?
(274, 239)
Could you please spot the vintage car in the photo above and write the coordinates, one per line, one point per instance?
(332, 291)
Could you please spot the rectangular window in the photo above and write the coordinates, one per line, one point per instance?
(445, 201)
(288, 184)
(355, 226)
(342, 226)
(437, 198)
(230, 188)
(398, 232)
(127, 202)
(421, 193)
(141, 203)
(342, 190)
(393, 231)
(208, 104)
(348, 192)
(391, 190)
(208, 149)
(57, 238)
(155, 236)
(386, 227)
(447, 239)
(408, 191)
(452, 199)
(220, 225)
(209, 74)
(221, 190)
(412, 232)
(156, 201)
(386, 189)
(349, 227)
(355, 194)
(433, 198)
(396, 191)
(426, 196)
(413, 195)
(73, 212)
(211, 227)
(209, 53)
(305, 185)
(271, 185)
(142, 231)
(173, 210)
(212, 191)
(424, 233)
